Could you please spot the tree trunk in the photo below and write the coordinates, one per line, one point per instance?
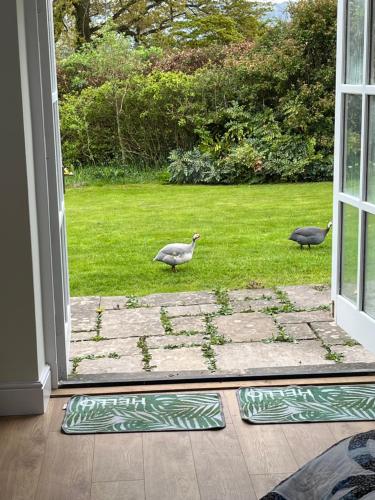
(82, 21)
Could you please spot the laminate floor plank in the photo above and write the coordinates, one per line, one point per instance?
(264, 483)
(342, 430)
(118, 457)
(22, 448)
(118, 490)
(220, 465)
(308, 440)
(67, 467)
(169, 466)
(57, 413)
(265, 448)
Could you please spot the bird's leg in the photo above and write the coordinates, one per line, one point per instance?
(309, 247)
(174, 269)
(301, 247)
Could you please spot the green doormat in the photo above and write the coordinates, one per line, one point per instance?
(142, 413)
(314, 403)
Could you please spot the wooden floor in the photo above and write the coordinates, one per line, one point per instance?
(38, 462)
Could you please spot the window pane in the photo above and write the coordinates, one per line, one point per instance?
(369, 306)
(371, 153)
(349, 253)
(352, 143)
(355, 41)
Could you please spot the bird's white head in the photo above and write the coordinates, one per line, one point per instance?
(196, 236)
(329, 225)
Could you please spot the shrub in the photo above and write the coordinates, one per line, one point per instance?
(191, 167)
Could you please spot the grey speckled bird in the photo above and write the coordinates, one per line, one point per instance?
(310, 235)
(177, 253)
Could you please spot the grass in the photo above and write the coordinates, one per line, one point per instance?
(114, 231)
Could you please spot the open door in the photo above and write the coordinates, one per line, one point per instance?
(354, 185)
(55, 183)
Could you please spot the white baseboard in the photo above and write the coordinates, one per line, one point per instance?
(26, 398)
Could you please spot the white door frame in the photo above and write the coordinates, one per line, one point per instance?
(41, 72)
(351, 317)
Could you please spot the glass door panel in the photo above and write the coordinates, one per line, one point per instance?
(349, 255)
(352, 144)
(369, 300)
(354, 41)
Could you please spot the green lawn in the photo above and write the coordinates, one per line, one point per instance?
(114, 232)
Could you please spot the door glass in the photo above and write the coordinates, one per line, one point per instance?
(355, 41)
(371, 152)
(349, 255)
(352, 143)
(369, 305)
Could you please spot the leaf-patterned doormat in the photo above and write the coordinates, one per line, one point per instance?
(143, 412)
(313, 403)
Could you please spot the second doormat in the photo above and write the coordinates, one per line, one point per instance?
(313, 403)
(143, 412)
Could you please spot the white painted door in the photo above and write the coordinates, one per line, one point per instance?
(56, 186)
(354, 184)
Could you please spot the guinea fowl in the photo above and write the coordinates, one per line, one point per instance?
(177, 253)
(310, 235)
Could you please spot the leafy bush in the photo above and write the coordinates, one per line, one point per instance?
(191, 167)
(256, 111)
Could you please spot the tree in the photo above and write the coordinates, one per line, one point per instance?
(160, 22)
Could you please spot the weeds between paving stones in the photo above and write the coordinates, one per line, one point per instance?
(209, 354)
(146, 355)
(211, 332)
(337, 357)
(187, 333)
(165, 321)
(132, 302)
(222, 298)
(98, 325)
(77, 359)
(281, 336)
(351, 343)
(212, 337)
(180, 346)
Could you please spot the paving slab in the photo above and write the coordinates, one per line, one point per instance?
(300, 331)
(117, 302)
(355, 354)
(194, 310)
(177, 360)
(242, 357)
(245, 327)
(131, 323)
(253, 305)
(330, 333)
(84, 313)
(308, 296)
(78, 336)
(303, 317)
(126, 364)
(178, 299)
(104, 347)
(250, 294)
(188, 324)
(168, 340)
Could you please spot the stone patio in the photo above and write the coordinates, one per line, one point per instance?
(240, 332)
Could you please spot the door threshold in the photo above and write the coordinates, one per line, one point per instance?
(356, 372)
